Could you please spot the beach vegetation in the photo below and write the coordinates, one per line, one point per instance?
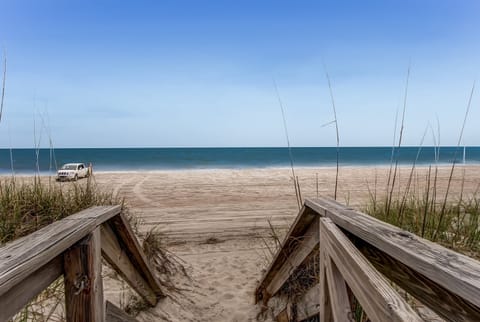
(27, 205)
(296, 184)
(335, 121)
(421, 208)
(429, 209)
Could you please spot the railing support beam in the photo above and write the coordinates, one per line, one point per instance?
(83, 280)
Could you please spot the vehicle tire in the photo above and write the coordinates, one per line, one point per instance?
(75, 178)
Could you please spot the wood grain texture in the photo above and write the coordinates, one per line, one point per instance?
(24, 256)
(452, 271)
(83, 280)
(130, 245)
(337, 289)
(298, 228)
(73, 246)
(379, 300)
(119, 259)
(325, 309)
(115, 314)
(18, 296)
(303, 247)
(440, 300)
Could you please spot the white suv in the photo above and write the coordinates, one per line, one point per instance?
(72, 171)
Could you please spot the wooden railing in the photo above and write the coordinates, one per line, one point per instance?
(73, 247)
(360, 259)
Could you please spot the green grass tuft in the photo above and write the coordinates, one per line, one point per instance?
(26, 206)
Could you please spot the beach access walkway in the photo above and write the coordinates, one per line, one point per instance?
(217, 223)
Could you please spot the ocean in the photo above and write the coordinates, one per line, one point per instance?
(136, 159)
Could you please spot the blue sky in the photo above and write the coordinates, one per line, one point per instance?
(199, 73)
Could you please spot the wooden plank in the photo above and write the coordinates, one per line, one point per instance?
(83, 280)
(453, 271)
(309, 303)
(21, 294)
(372, 290)
(115, 314)
(117, 257)
(130, 244)
(24, 256)
(305, 245)
(300, 225)
(325, 309)
(337, 290)
(99, 213)
(440, 300)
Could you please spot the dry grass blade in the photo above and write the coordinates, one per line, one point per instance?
(392, 157)
(3, 86)
(400, 137)
(410, 178)
(444, 204)
(274, 235)
(336, 130)
(295, 183)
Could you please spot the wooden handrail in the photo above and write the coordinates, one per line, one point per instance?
(426, 270)
(73, 247)
(344, 265)
(445, 281)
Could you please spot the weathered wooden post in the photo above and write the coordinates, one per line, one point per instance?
(83, 280)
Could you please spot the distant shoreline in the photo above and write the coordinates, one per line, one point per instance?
(266, 169)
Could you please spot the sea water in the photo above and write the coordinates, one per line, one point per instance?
(24, 161)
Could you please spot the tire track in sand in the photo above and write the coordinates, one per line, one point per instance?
(141, 195)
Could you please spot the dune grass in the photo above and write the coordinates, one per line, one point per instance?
(27, 205)
(452, 220)
(427, 209)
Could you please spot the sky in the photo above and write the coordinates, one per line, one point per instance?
(201, 73)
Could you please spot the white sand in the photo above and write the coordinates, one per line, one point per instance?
(234, 206)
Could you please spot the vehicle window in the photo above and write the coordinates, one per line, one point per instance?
(69, 167)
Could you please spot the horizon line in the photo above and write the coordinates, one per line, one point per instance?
(240, 147)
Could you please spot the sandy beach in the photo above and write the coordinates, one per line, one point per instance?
(216, 222)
